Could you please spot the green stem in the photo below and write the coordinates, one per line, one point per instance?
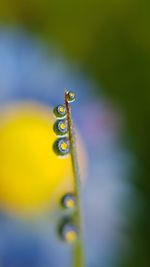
(78, 247)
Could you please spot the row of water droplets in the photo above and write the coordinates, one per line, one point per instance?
(68, 230)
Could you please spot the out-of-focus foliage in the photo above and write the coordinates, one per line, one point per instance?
(111, 40)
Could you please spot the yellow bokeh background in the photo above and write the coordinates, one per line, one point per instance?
(32, 177)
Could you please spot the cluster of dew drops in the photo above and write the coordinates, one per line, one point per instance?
(68, 231)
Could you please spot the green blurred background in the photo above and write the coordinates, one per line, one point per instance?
(110, 40)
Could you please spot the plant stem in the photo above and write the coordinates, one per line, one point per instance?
(78, 247)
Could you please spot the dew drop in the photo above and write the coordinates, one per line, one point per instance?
(69, 201)
(62, 146)
(71, 96)
(68, 232)
(61, 127)
(60, 111)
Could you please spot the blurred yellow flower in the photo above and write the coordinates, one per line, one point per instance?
(32, 176)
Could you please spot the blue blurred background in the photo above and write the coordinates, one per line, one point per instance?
(100, 50)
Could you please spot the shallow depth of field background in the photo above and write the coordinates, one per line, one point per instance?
(101, 50)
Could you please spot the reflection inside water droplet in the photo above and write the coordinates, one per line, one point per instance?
(69, 200)
(61, 127)
(62, 146)
(69, 232)
(60, 111)
(71, 96)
